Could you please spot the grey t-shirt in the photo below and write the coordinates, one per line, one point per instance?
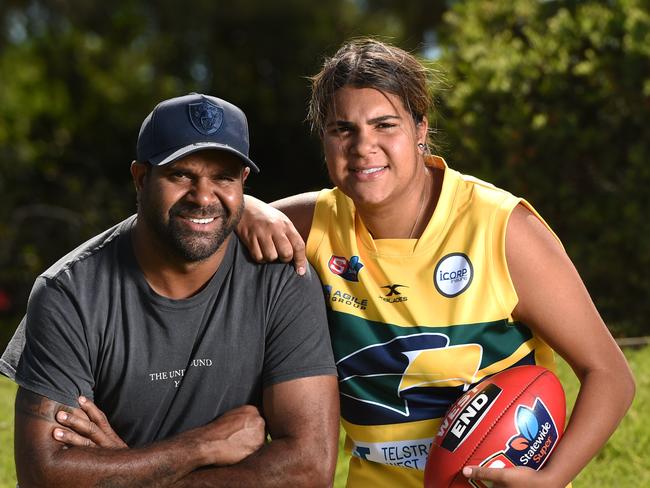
(158, 366)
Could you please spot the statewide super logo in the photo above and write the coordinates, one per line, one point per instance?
(453, 274)
(348, 270)
(531, 446)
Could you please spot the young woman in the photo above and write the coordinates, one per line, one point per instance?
(434, 280)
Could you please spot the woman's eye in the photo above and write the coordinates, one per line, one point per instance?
(385, 125)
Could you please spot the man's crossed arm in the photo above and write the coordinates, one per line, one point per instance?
(301, 416)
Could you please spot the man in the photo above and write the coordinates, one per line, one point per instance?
(165, 325)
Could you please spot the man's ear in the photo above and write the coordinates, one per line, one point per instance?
(244, 174)
(138, 172)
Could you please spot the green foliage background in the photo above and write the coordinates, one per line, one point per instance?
(549, 99)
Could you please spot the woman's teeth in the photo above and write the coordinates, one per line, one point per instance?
(370, 170)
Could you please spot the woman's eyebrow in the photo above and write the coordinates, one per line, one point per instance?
(383, 118)
(374, 120)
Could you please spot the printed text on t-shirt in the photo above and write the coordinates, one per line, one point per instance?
(177, 374)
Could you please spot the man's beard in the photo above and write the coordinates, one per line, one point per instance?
(191, 246)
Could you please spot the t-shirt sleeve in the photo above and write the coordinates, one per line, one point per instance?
(55, 360)
(297, 339)
(11, 355)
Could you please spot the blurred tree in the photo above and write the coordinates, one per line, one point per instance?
(551, 100)
(559, 86)
(77, 78)
(411, 25)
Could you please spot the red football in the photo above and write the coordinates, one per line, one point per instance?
(514, 418)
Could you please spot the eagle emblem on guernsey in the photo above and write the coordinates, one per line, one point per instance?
(394, 378)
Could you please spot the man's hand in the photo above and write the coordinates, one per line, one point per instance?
(91, 431)
(235, 435)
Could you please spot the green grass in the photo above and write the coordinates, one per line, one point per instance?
(7, 469)
(623, 462)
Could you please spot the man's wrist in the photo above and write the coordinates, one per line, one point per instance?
(194, 447)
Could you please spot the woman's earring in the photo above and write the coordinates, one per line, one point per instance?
(423, 147)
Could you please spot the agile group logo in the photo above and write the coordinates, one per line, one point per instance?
(453, 274)
(348, 270)
(347, 299)
(534, 441)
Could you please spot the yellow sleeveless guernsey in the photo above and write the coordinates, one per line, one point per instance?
(416, 322)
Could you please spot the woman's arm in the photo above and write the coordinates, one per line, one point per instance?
(555, 304)
(278, 230)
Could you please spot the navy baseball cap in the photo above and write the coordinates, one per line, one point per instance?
(195, 122)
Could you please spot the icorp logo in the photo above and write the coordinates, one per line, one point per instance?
(453, 274)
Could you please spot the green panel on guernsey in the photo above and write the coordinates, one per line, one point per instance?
(351, 333)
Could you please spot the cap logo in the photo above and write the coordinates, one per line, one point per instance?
(206, 117)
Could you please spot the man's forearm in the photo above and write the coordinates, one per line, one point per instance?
(42, 461)
(160, 464)
(303, 420)
(281, 463)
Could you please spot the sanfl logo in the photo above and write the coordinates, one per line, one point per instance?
(348, 270)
